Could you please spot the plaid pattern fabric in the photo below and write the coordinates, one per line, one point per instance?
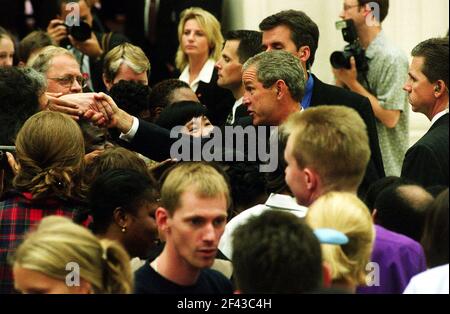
(18, 214)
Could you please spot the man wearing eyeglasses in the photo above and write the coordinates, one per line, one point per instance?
(382, 83)
(61, 70)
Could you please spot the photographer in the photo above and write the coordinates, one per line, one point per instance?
(88, 46)
(382, 83)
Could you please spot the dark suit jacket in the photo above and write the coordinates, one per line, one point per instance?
(163, 50)
(426, 162)
(218, 100)
(325, 94)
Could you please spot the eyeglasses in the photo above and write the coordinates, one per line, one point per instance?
(68, 80)
(348, 7)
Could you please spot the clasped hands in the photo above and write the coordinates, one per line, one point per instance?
(99, 108)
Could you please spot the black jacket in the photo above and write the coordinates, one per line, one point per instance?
(219, 101)
(426, 162)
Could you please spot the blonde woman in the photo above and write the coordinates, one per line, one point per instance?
(50, 163)
(344, 212)
(201, 41)
(62, 257)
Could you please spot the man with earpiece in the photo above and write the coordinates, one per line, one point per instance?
(426, 162)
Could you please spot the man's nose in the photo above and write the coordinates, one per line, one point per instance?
(209, 234)
(76, 87)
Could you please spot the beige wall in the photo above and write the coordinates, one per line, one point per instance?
(408, 23)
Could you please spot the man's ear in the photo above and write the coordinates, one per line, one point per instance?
(327, 278)
(304, 53)
(107, 82)
(439, 88)
(281, 87)
(162, 217)
(311, 179)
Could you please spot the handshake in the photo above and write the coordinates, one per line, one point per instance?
(98, 108)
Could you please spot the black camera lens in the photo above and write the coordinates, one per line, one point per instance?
(340, 60)
(81, 32)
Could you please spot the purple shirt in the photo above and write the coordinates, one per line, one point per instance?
(399, 258)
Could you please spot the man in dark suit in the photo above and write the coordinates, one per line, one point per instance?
(296, 33)
(426, 162)
(239, 46)
(160, 43)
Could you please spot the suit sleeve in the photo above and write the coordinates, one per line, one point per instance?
(152, 141)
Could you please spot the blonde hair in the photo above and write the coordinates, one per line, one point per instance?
(344, 212)
(42, 60)
(209, 24)
(126, 53)
(333, 141)
(204, 179)
(58, 241)
(50, 152)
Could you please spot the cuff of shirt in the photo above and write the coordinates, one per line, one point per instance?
(128, 137)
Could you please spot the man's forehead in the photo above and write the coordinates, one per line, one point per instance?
(416, 65)
(62, 63)
(278, 33)
(250, 74)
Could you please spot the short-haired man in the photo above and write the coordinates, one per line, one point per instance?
(239, 46)
(192, 217)
(327, 150)
(295, 32)
(125, 62)
(89, 53)
(426, 162)
(65, 82)
(61, 69)
(168, 92)
(403, 208)
(276, 252)
(274, 83)
(382, 83)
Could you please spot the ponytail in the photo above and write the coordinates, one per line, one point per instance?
(117, 276)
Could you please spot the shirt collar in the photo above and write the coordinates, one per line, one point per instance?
(306, 101)
(438, 116)
(205, 74)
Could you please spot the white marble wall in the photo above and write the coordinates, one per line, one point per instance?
(408, 23)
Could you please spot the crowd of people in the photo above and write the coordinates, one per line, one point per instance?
(221, 164)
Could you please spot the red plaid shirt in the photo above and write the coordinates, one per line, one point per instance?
(18, 213)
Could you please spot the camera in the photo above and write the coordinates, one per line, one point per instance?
(81, 32)
(341, 59)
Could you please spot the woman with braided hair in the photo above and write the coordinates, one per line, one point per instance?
(62, 257)
(50, 163)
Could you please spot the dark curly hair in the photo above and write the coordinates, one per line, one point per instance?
(132, 97)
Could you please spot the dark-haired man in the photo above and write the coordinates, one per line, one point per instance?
(239, 46)
(426, 162)
(295, 32)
